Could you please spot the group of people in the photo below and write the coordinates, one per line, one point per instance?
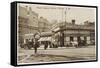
(34, 43)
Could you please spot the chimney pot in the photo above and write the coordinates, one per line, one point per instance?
(73, 21)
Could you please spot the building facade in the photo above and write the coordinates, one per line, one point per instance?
(44, 25)
(67, 32)
(27, 22)
(30, 23)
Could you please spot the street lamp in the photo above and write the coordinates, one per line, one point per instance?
(65, 15)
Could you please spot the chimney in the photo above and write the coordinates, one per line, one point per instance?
(86, 22)
(73, 21)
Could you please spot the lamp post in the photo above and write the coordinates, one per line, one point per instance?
(38, 24)
(62, 27)
(65, 12)
(65, 15)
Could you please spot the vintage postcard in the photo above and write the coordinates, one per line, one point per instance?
(55, 33)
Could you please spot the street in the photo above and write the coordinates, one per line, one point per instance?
(57, 54)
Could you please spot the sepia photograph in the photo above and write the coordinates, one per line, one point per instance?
(55, 33)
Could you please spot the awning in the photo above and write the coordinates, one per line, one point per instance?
(56, 29)
(49, 38)
(45, 39)
(41, 39)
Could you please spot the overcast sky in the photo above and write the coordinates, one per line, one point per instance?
(80, 14)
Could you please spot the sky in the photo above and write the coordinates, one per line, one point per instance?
(62, 13)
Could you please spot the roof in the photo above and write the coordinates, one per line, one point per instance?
(69, 26)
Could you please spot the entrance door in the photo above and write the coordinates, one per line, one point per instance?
(85, 40)
(62, 39)
(71, 38)
(78, 38)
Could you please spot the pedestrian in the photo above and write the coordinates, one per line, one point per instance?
(46, 45)
(36, 43)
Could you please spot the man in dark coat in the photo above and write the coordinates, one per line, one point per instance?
(36, 43)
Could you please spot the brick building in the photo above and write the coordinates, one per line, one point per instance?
(27, 22)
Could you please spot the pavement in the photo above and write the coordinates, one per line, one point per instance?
(85, 52)
(56, 54)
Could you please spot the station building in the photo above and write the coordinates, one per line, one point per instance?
(64, 33)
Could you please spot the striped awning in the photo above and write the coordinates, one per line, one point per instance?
(45, 39)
